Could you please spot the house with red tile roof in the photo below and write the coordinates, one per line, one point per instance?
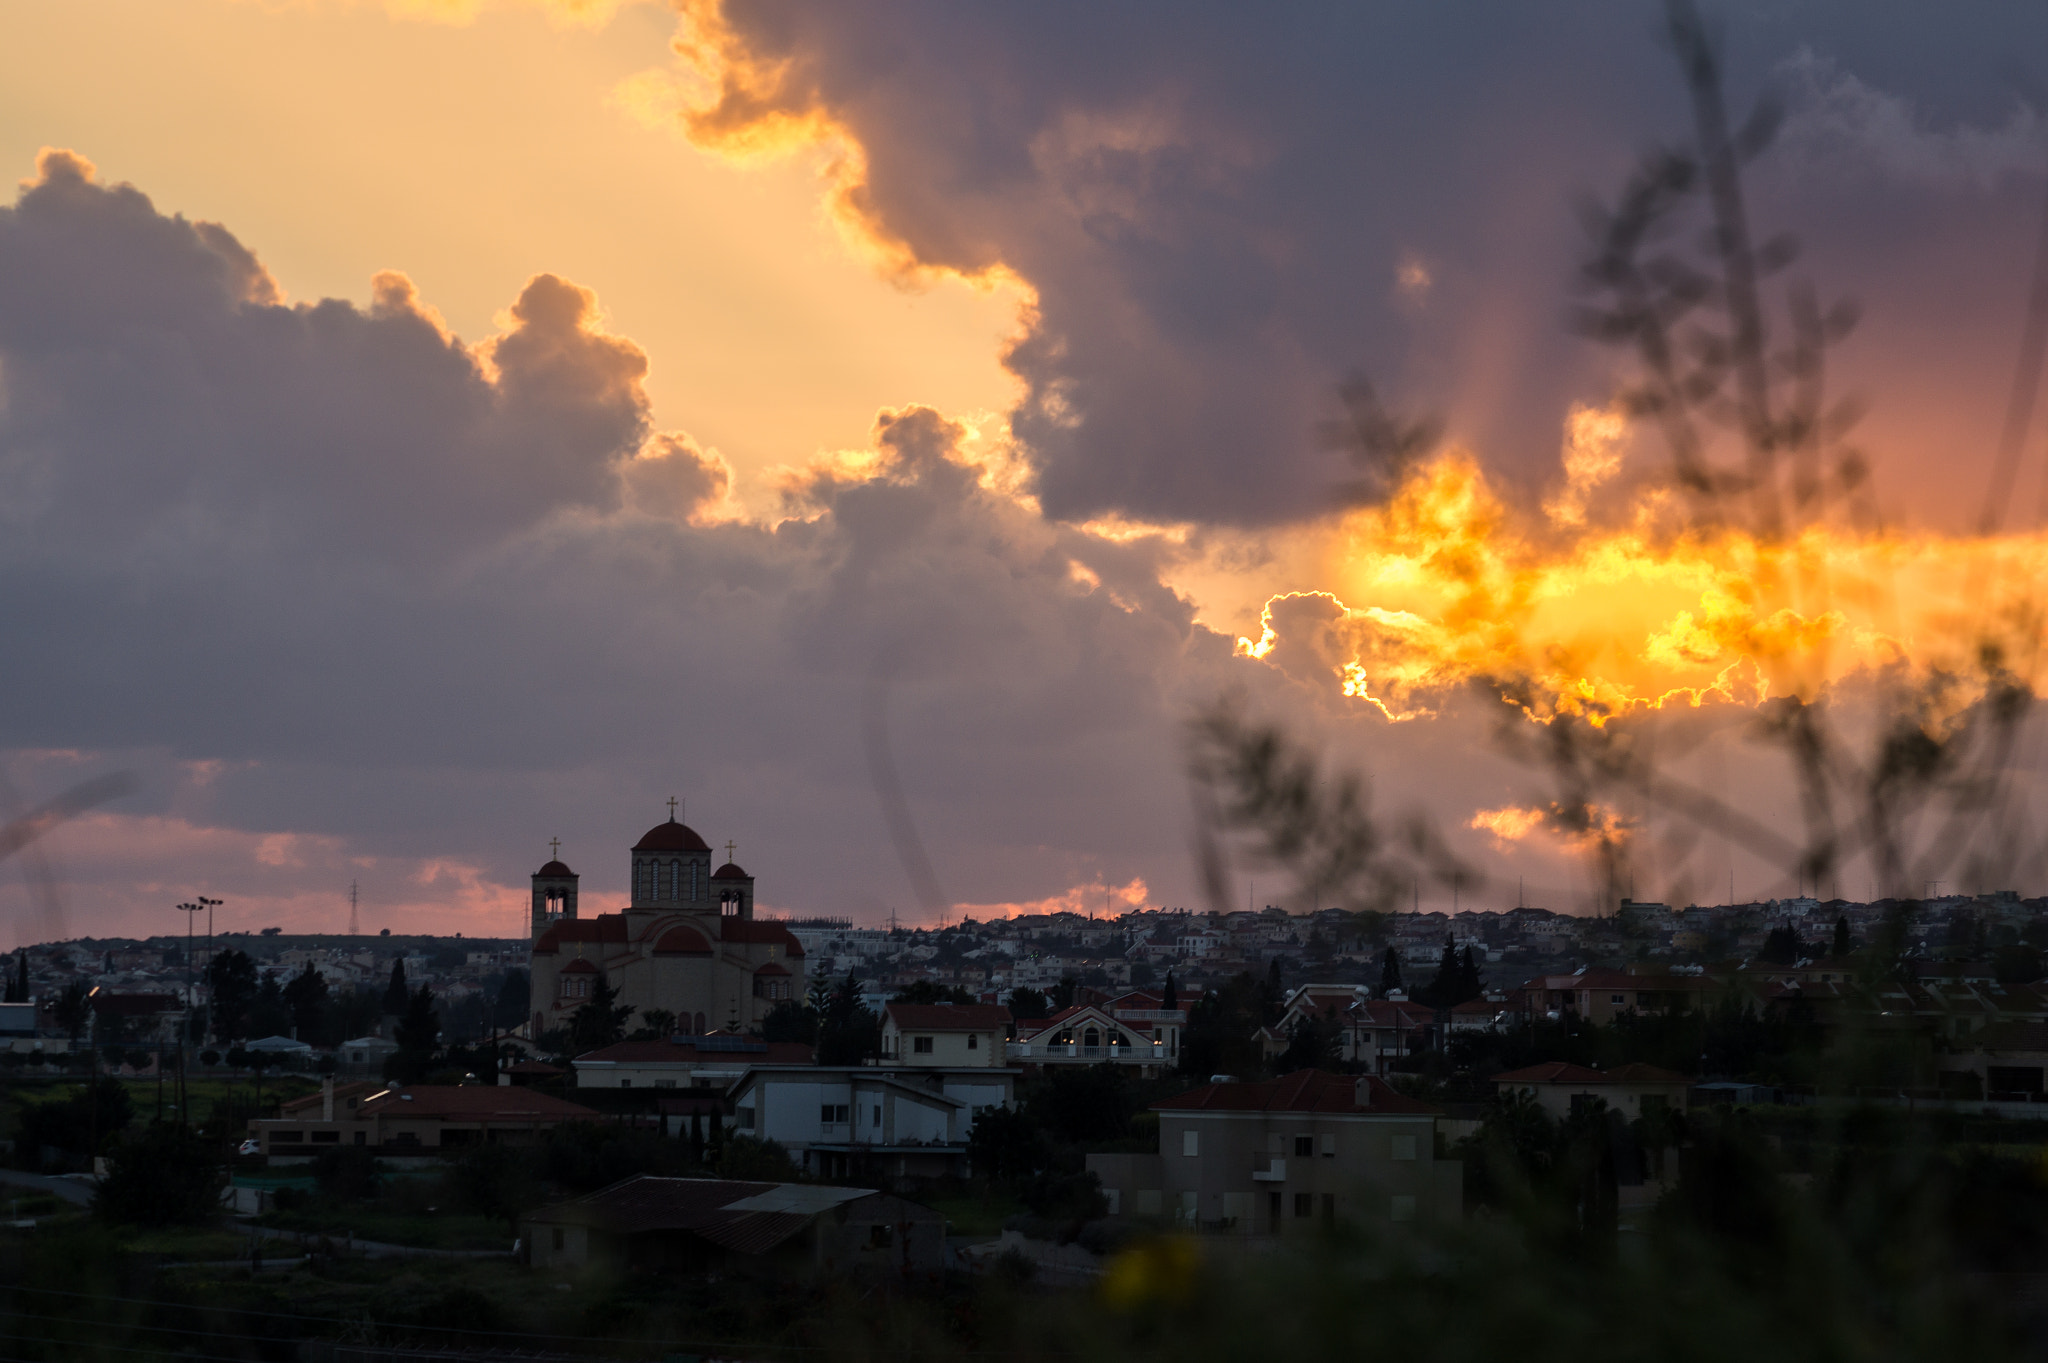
(1281, 1156)
(945, 1035)
(716, 1061)
(1632, 1090)
(1092, 1035)
(423, 1119)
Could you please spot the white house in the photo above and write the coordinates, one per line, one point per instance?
(945, 1034)
(839, 1120)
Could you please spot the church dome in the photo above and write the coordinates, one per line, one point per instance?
(730, 871)
(554, 870)
(671, 837)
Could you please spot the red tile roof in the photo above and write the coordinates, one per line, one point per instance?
(671, 837)
(554, 870)
(1562, 1072)
(683, 1050)
(1302, 1091)
(606, 928)
(949, 1017)
(754, 930)
(472, 1103)
(730, 871)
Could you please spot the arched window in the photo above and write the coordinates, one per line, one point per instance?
(675, 880)
(1091, 1038)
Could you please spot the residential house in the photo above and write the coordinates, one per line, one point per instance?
(422, 1119)
(787, 1230)
(716, 1061)
(901, 1123)
(1563, 1089)
(1602, 995)
(1283, 1155)
(945, 1035)
(2006, 1059)
(1091, 1035)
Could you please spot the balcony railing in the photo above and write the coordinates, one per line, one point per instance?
(1153, 1054)
(1274, 1172)
(1152, 1014)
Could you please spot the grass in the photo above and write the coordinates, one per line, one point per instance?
(425, 1230)
(976, 1214)
(190, 1243)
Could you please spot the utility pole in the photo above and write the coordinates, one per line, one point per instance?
(355, 927)
(190, 911)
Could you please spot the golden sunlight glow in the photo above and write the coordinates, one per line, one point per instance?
(1442, 585)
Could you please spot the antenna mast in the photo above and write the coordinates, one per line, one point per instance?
(355, 927)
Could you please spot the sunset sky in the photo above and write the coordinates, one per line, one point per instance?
(434, 427)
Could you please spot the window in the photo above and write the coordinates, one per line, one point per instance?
(1304, 1145)
(1402, 1208)
(675, 880)
(1304, 1204)
(745, 1117)
(881, 1237)
(625, 1083)
(1190, 1143)
(1273, 1209)
(1329, 1147)
(920, 1045)
(1617, 999)
(330, 1137)
(878, 1114)
(287, 1135)
(557, 1240)
(832, 1115)
(1404, 1147)
(973, 1041)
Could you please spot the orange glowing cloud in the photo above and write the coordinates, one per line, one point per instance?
(1443, 585)
(1095, 897)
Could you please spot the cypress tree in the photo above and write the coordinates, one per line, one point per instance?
(1390, 972)
(1842, 943)
(1468, 978)
(396, 995)
(1170, 998)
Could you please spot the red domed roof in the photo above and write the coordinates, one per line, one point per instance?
(772, 969)
(671, 837)
(730, 871)
(579, 966)
(683, 941)
(554, 870)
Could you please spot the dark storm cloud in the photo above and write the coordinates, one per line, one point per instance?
(1218, 205)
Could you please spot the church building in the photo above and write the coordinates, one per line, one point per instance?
(687, 942)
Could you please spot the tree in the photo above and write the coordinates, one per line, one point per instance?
(656, 1024)
(1843, 945)
(163, 1176)
(1314, 1042)
(1169, 997)
(1029, 1004)
(1442, 990)
(231, 985)
(601, 1019)
(17, 982)
(848, 1032)
(417, 1034)
(1781, 947)
(268, 1014)
(790, 1021)
(396, 994)
(1390, 972)
(306, 997)
(1469, 986)
(515, 997)
(74, 1009)
(929, 991)
(1062, 995)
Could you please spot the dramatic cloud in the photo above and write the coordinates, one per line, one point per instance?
(1220, 212)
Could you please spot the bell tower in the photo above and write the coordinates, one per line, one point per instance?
(554, 892)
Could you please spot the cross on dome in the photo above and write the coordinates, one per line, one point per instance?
(554, 849)
(671, 809)
(728, 850)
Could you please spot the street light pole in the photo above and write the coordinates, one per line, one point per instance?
(191, 1008)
